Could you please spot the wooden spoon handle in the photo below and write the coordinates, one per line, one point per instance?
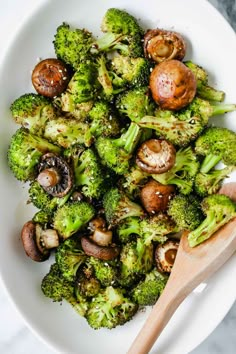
(161, 313)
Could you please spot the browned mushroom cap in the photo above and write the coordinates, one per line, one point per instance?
(160, 45)
(50, 77)
(155, 197)
(55, 175)
(173, 85)
(104, 253)
(165, 255)
(28, 237)
(156, 156)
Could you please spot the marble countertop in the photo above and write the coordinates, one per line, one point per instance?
(15, 337)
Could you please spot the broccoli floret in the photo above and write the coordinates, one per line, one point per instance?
(128, 229)
(72, 46)
(66, 132)
(71, 217)
(42, 217)
(78, 111)
(134, 72)
(69, 257)
(136, 257)
(87, 287)
(32, 112)
(203, 89)
(105, 272)
(147, 292)
(216, 144)
(156, 228)
(121, 22)
(42, 200)
(218, 209)
(210, 183)
(135, 104)
(110, 308)
(182, 173)
(184, 126)
(133, 180)
(186, 211)
(25, 151)
(118, 206)
(58, 288)
(116, 153)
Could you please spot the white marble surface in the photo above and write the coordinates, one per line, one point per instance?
(15, 337)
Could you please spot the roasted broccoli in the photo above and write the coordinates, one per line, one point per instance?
(218, 209)
(186, 211)
(128, 229)
(116, 153)
(184, 126)
(148, 290)
(110, 308)
(87, 286)
(57, 288)
(69, 257)
(42, 217)
(210, 183)
(135, 103)
(25, 151)
(106, 272)
(133, 72)
(71, 217)
(32, 112)
(182, 173)
(216, 144)
(203, 89)
(72, 46)
(133, 180)
(118, 206)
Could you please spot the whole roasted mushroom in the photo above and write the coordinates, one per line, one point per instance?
(155, 197)
(156, 156)
(38, 242)
(173, 85)
(105, 253)
(160, 45)
(50, 77)
(55, 175)
(165, 255)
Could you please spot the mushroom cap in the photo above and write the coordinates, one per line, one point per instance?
(156, 156)
(28, 237)
(50, 77)
(165, 255)
(155, 197)
(57, 187)
(105, 253)
(160, 45)
(173, 85)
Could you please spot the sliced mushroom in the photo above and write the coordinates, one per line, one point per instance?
(173, 85)
(156, 156)
(165, 255)
(50, 77)
(28, 237)
(55, 175)
(160, 45)
(155, 197)
(105, 253)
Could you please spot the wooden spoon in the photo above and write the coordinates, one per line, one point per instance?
(192, 266)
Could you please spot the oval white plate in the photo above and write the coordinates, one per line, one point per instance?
(211, 43)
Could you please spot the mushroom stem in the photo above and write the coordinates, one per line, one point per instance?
(49, 177)
(102, 238)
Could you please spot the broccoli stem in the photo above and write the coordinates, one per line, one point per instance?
(130, 138)
(106, 42)
(222, 108)
(80, 177)
(211, 94)
(209, 162)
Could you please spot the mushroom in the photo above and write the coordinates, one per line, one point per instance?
(173, 85)
(105, 253)
(156, 156)
(38, 242)
(55, 175)
(165, 255)
(155, 197)
(50, 77)
(160, 45)
(101, 236)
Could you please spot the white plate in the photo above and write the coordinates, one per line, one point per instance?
(211, 43)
